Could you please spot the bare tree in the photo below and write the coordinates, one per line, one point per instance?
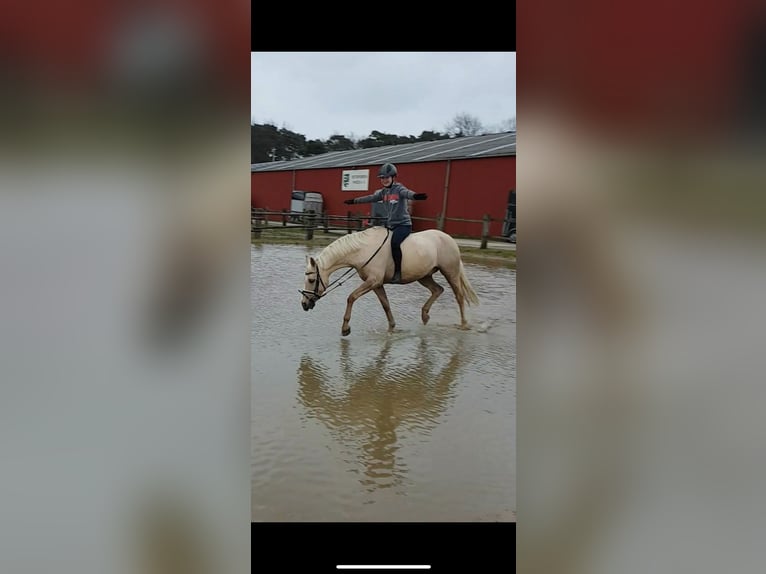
(508, 125)
(464, 124)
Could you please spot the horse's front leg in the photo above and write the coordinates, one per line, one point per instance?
(355, 294)
(381, 293)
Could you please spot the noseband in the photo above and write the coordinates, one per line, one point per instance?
(314, 295)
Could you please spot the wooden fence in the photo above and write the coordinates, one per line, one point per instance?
(264, 220)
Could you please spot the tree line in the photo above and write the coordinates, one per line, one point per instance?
(270, 143)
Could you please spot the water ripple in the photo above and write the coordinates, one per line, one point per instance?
(417, 424)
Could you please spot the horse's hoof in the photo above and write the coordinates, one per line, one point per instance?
(425, 318)
(345, 331)
(465, 327)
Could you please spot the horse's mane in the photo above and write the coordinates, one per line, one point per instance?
(344, 245)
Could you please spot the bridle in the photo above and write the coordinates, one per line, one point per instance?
(315, 296)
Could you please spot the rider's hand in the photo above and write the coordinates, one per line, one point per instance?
(348, 201)
(420, 196)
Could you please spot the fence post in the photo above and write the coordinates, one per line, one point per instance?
(256, 224)
(484, 232)
(326, 218)
(284, 217)
(348, 223)
(440, 222)
(310, 223)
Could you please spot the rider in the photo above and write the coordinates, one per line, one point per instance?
(393, 194)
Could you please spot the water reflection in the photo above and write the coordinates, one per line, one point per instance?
(375, 408)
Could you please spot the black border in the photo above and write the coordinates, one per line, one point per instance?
(445, 546)
(386, 28)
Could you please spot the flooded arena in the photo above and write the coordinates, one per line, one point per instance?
(414, 425)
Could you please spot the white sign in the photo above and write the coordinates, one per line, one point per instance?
(355, 180)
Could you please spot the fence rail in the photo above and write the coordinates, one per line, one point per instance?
(265, 220)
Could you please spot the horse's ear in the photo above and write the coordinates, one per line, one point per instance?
(312, 262)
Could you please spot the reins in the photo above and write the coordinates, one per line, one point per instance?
(337, 282)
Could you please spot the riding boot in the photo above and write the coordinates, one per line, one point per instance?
(397, 278)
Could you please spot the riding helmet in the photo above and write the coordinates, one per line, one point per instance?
(387, 170)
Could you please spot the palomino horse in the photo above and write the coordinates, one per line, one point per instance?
(369, 253)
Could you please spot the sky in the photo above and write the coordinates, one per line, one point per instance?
(319, 94)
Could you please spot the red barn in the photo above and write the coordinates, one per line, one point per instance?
(465, 178)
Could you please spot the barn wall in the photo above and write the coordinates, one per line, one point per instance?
(476, 187)
(479, 186)
(271, 190)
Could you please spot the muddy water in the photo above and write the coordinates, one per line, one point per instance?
(414, 425)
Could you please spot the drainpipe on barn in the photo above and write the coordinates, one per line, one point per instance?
(443, 216)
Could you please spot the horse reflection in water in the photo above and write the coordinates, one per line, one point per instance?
(376, 405)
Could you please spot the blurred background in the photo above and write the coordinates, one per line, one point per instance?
(641, 183)
(124, 261)
(124, 145)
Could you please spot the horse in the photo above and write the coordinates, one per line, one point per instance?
(369, 253)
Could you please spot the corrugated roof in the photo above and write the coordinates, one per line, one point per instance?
(489, 145)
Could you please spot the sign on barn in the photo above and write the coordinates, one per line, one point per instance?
(355, 180)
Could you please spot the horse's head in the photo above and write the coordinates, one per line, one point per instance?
(313, 286)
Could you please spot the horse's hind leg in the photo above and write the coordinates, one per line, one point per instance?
(454, 282)
(381, 293)
(436, 290)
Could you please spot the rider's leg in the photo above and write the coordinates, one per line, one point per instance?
(398, 235)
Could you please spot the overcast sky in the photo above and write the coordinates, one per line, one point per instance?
(319, 94)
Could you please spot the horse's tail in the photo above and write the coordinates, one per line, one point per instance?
(465, 286)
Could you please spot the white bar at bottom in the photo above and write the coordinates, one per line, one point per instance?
(384, 567)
